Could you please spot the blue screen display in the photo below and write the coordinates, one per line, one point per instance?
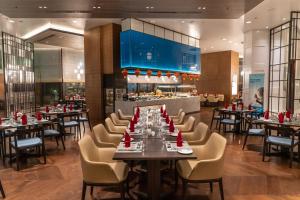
(144, 51)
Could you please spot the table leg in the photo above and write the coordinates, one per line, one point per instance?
(153, 179)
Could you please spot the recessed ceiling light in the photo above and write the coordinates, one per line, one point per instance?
(267, 27)
(98, 7)
(11, 21)
(147, 7)
(224, 39)
(45, 7)
(74, 21)
(212, 47)
(204, 8)
(182, 21)
(248, 22)
(199, 8)
(284, 19)
(257, 31)
(40, 7)
(151, 7)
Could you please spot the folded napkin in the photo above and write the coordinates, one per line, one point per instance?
(249, 107)
(16, 116)
(164, 114)
(233, 107)
(65, 108)
(161, 110)
(266, 114)
(242, 106)
(71, 106)
(24, 119)
(171, 127)
(167, 119)
(288, 114)
(127, 139)
(138, 111)
(226, 106)
(179, 139)
(38, 116)
(131, 126)
(281, 117)
(47, 109)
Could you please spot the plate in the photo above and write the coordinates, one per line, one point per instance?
(185, 151)
(174, 134)
(123, 139)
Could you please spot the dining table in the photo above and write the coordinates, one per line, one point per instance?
(152, 142)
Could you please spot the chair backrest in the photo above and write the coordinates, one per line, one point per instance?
(181, 117)
(114, 118)
(121, 114)
(281, 131)
(214, 147)
(100, 133)
(200, 132)
(179, 111)
(189, 124)
(109, 125)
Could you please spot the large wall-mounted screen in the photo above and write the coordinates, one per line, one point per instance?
(144, 51)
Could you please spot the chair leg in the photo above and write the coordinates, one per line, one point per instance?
(92, 190)
(17, 159)
(211, 186)
(291, 156)
(2, 190)
(83, 127)
(184, 188)
(63, 143)
(56, 141)
(245, 141)
(212, 121)
(44, 153)
(122, 191)
(221, 189)
(90, 124)
(264, 151)
(83, 190)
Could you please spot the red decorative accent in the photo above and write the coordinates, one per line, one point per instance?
(149, 72)
(266, 114)
(168, 74)
(65, 108)
(196, 77)
(281, 117)
(191, 76)
(184, 76)
(159, 74)
(127, 139)
(250, 107)
(131, 125)
(125, 73)
(24, 119)
(137, 72)
(179, 139)
(38, 116)
(47, 109)
(176, 74)
(171, 127)
(288, 114)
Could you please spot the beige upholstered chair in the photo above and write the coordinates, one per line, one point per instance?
(197, 137)
(103, 139)
(98, 168)
(122, 116)
(178, 114)
(180, 119)
(117, 121)
(188, 125)
(208, 167)
(114, 129)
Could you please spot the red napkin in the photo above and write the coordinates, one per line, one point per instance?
(281, 117)
(65, 108)
(137, 112)
(288, 114)
(233, 107)
(55, 105)
(24, 119)
(171, 127)
(161, 110)
(71, 106)
(127, 139)
(249, 107)
(167, 119)
(38, 116)
(164, 114)
(131, 126)
(266, 114)
(15, 116)
(242, 106)
(47, 109)
(226, 106)
(135, 119)
(179, 139)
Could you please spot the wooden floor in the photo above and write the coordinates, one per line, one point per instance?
(246, 177)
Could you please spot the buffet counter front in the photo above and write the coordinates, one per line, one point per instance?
(188, 104)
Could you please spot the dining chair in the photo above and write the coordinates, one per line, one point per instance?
(52, 130)
(180, 119)
(215, 117)
(253, 129)
(123, 116)
(99, 168)
(212, 100)
(197, 137)
(117, 121)
(70, 120)
(178, 114)
(230, 118)
(284, 138)
(2, 190)
(85, 117)
(207, 168)
(114, 129)
(103, 139)
(24, 139)
(188, 125)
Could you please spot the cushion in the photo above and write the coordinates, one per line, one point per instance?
(70, 123)
(280, 140)
(83, 119)
(50, 132)
(30, 142)
(230, 121)
(259, 132)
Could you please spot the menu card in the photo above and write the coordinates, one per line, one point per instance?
(135, 147)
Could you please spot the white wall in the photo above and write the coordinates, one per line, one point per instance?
(256, 60)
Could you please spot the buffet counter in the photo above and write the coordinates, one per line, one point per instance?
(188, 104)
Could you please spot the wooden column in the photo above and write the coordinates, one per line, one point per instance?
(100, 45)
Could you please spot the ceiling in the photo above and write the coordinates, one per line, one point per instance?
(201, 9)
